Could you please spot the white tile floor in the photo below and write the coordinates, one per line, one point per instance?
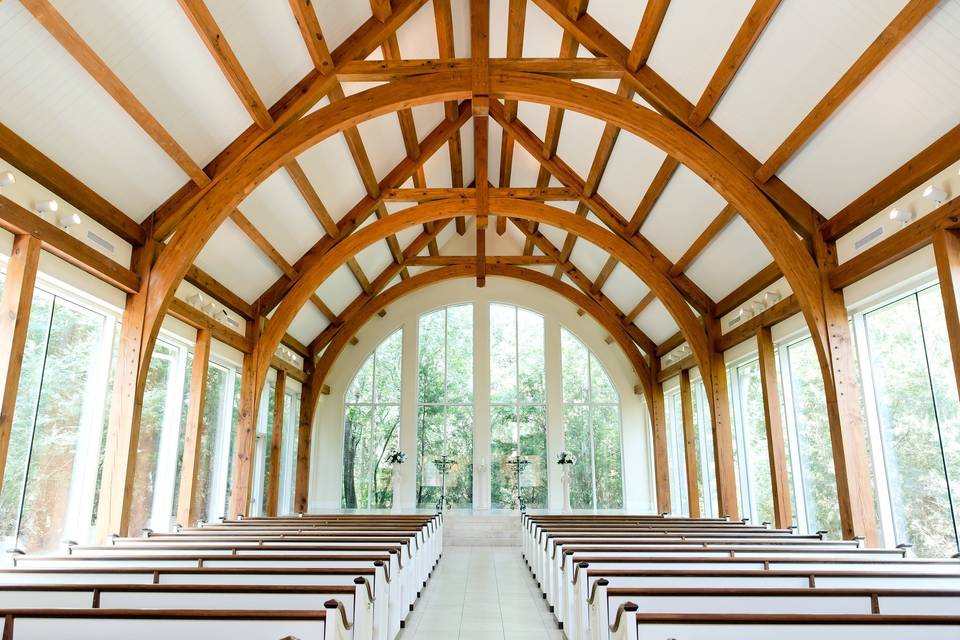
(481, 593)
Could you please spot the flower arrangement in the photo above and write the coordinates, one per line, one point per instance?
(396, 457)
(565, 457)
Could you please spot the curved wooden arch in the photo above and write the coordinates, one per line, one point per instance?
(607, 320)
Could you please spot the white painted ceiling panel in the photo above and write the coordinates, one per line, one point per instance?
(466, 150)
(624, 288)
(534, 116)
(155, 51)
(622, 19)
(656, 322)
(460, 9)
(436, 169)
(307, 324)
(579, 139)
(589, 258)
(333, 174)
(352, 88)
(684, 210)
(733, 257)
(408, 235)
(417, 37)
(692, 40)
(524, 170)
(339, 289)
(266, 40)
(237, 263)
(427, 117)
(554, 234)
(494, 140)
(542, 36)
(918, 87)
(51, 101)
(383, 140)
(375, 259)
(633, 164)
(794, 64)
(340, 19)
(281, 214)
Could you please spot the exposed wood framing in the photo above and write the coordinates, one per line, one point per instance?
(689, 445)
(276, 440)
(516, 20)
(661, 458)
(776, 447)
(187, 514)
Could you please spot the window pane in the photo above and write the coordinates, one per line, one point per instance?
(608, 464)
(532, 367)
(908, 422)
(430, 346)
(361, 389)
(601, 387)
(575, 363)
(388, 368)
(503, 353)
(214, 406)
(816, 453)
(675, 459)
(460, 354)
(752, 423)
(459, 446)
(706, 463)
(532, 448)
(503, 426)
(356, 447)
(576, 437)
(430, 446)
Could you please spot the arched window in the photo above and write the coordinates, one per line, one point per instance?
(591, 427)
(445, 405)
(372, 427)
(518, 406)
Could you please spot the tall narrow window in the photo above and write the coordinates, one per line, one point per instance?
(677, 463)
(591, 420)
(916, 401)
(706, 463)
(288, 451)
(518, 410)
(372, 427)
(50, 478)
(751, 436)
(445, 406)
(261, 449)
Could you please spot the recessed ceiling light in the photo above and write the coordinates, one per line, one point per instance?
(67, 220)
(937, 195)
(46, 206)
(7, 178)
(902, 215)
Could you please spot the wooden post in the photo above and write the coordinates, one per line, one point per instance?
(308, 407)
(946, 247)
(689, 444)
(246, 426)
(276, 443)
(782, 510)
(14, 321)
(718, 398)
(189, 470)
(661, 463)
(841, 390)
(123, 431)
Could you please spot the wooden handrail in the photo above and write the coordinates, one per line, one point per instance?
(331, 604)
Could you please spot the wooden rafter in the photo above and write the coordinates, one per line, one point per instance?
(888, 40)
(568, 68)
(516, 20)
(55, 24)
(718, 224)
(638, 308)
(755, 284)
(443, 17)
(448, 260)
(650, 23)
(480, 75)
(551, 194)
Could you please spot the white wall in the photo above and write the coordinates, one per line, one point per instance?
(326, 456)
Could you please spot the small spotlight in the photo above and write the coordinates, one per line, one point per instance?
(758, 306)
(936, 195)
(771, 297)
(210, 309)
(46, 206)
(7, 178)
(902, 215)
(67, 220)
(745, 314)
(196, 300)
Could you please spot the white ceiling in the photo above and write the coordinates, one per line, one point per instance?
(47, 98)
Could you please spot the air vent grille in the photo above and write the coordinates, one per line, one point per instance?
(100, 242)
(867, 239)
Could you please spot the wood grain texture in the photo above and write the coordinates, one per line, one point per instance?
(689, 445)
(187, 507)
(776, 447)
(272, 493)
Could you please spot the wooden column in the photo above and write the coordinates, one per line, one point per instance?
(782, 510)
(189, 470)
(661, 464)
(276, 444)
(246, 426)
(14, 320)
(308, 408)
(946, 247)
(689, 444)
(841, 390)
(123, 431)
(721, 424)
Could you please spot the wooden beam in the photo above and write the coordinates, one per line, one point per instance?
(308, 406)
(516, 20)
(443, 17)
(448, 260)
(566, 68)
(675, 369)
(276, 442)
(776, 449)
(748, 34)
(187, 513)
(19, 153)
(667, 168)
(51, 20)
(480, 82)
(689, 445)
(935, 158)
(722, 426)
(55, 240)
(661, 458)
(713, 229)
(786, 308)
(213, 288)
(15, 307)
(757, 283)
(913, 237)
(246, 428)
(888, 40)
(548, 194)
(650, 23)
(670, 344)
(645, 302)
(481, 258)
(202, 322)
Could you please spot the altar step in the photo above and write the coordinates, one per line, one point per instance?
(481, 528)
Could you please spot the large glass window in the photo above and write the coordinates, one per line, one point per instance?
(288, 452)
(915, 395)
(518, 409)
(445, 405)
(372, 427)
(50, 476)
(591, 420)
(750, 426)
(706, 463)
(676, 462)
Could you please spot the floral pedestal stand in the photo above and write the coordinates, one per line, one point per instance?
(566, 461)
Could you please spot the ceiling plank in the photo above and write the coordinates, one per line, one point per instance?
(55, 24)
(213, 38)
(888, 40)
(748, 34)
(19, 153)
(718, 224)
(942, 153)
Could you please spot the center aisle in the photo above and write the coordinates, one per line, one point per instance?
(481, 593)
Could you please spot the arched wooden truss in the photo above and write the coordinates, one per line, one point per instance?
(228, 189)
